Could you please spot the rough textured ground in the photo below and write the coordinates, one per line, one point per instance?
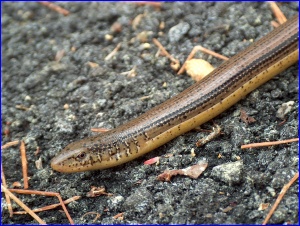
(104, 97)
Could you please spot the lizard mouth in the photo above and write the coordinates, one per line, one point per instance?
(65, 162)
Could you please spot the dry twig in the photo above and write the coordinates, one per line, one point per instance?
(277, 12)
(99, 130)
(56, 8)
(20, 203)
(109, 56)
(49, 207)
(97, 191)
(131, 73)
(9, 144)
(119, 216)
(156, 5)
(175, 63)
(9, 207)
(264, 144)
(22, 107)
(24, 164)
(38, 150)
(279, 198)
(89, 213)
(193, 52)
(16, 184)
(45, 193)
(216, 132)
(92, 64)
(136, 21)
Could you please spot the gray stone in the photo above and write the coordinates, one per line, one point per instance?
(230, 173)
(178, 31)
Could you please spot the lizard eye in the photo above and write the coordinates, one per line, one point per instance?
(81, 156)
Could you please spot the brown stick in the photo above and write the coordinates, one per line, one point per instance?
(50, 207)
(99, 130)
(9, 207)
(113, 52)
(9, 144)
(216, 132)
(65, 209)
(165, 52)
(118, 215)
(45, 193)
(20, 203)
(156, 5)
(24, 164)
(193, 52)
(277, 12)
(55, 8)
(279, 198)
(89, 213)
(264, 144)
